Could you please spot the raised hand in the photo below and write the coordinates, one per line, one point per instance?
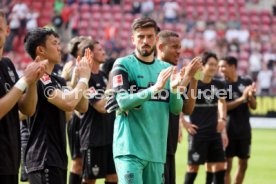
(89, 55)
(162, 78)
(246, 91)
(67, 70)
(252, 90)
(35, 70)
(176, 77)
(193, 67)
(83, 68)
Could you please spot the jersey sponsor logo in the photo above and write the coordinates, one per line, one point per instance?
(11, 74)
(92, 92)
(117, 80)
(46, 79)
(129, 177)
(95, 170)
(140, 76)
(195, 156)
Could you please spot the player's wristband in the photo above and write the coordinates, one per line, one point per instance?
(84, 80)
(21, 85)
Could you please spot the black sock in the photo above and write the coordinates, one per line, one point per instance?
(74, 178)
(190, 178)
(209, 177)
(219, 177)
(108, 182)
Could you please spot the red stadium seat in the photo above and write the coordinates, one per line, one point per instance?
(245, 20)
(266, 20)
(85, 16)
(255, 19)
(199, 2)
(116, 9)
(84, 8)
(95, 8)
(106, 8)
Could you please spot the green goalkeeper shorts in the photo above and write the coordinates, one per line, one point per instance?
(132, 170)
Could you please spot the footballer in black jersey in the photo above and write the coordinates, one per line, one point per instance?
(15, 94)
(96, 127)
(208, 120)
(239, 102)
(46, 159)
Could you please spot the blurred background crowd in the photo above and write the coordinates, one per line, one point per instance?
(241, 28)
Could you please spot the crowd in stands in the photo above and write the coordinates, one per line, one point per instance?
(227, 27)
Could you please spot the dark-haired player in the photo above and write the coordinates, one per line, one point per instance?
(238, 125)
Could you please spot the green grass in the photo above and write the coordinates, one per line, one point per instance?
(262, 164)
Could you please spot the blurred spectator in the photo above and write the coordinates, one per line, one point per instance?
(243, 35)
(136, 7)
(14, 24)
(58, 5)
(232, 34)
(66, 13)
(265, 80)
(32, 20)
(255, 64)
(74, 24)
(147, 8)
(171, 12)
(21, 10)
(210, 33)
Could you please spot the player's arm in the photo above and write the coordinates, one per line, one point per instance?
(82, 106)
(189, 105)
(221, 127)
(27, 102)
(126, 100)
(8, 101)
(243, 99)
(67, 101)
(187, 74)
(100, 106)
(176, 103)
(251, 97)
(252, 102)
(222, 114)
(190, 128)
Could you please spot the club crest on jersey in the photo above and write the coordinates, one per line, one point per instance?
(235, 95)
(241, 87)
(7, 87)
(117, 80)
(46, 79)
(95, 170)
(195, 156)
(92, 92)
(208, 99)
(11, 74)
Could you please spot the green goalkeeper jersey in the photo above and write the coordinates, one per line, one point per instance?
(141, 124)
